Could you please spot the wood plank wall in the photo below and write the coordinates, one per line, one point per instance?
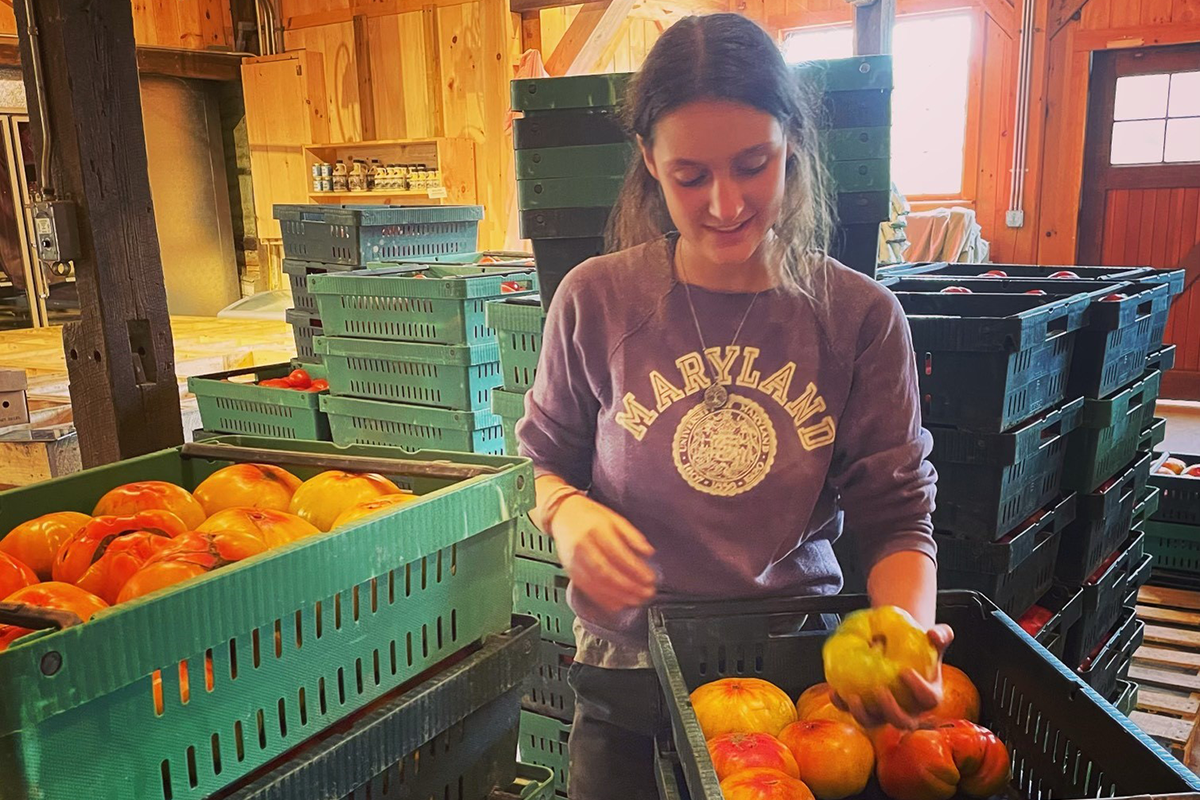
(188, 24)
(628, 49)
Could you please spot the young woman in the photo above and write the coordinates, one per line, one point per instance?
(717, 401)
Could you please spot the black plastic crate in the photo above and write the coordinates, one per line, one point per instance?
(1109, 434)
(857, 246)
(1032, 702)
(1019, 586)
(549, 694)
(1153, 435)
(1179, 501)
(556, 257)
(564, 223)
(459, 723)
(990, 362)
(1110, 662)
(989, 483)
(1139, 576)
(1146, 505)
(972, 555)
(306, 327)
(863, 207)
(1039, 271)
(858, 108)
(1162, 359)
(568, 129)
(298, 272)
(360, 234)
(1101, 523)
(1066, 606)
(1103, 595)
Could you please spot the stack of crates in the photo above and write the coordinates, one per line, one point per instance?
(320, 239)
(1110, 381)
(856, 146)
(1173, 527)
(572, 154)
(540, 583)
(411, 361)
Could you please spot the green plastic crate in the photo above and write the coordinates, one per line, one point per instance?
(544, 742)
(574, 91)
(532, 543)
(847, 74)
(861, 176)
(518, 323)
(510, 407)
(298, 272)
(1108, 438)
(856, 144)
(497, 260)
(582, 161)
(550, 693)
(540, 590)
(589, 192)
(360, 234)
(1174, 546)
(451, 736)
(228, 406)
(300, 627)
(1146, 506)
(1153, 435)
(356, 421)
(433, 304)
(459, 377)
(306, 327)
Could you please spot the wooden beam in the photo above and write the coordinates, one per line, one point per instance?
(873, 26)
(1062, 11)
(589, 35)
(212, 65)
(1141, 36)
(366, 88)
(120, 354)
(531, 30)
(366, 8)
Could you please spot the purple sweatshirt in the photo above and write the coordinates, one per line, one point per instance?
(821, 430)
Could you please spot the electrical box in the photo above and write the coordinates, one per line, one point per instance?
(56, 230)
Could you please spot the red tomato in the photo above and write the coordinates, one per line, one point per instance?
(995, 273)
(1065, 273)
(1192, 472)
(276, 383)
(14, 575)
(1115, 297)
(1035, 619)
(508, 287)
(299, 379)
(1039, 292)
(956, 290)
(319, 385)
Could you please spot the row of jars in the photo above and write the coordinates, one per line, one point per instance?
(369, 176)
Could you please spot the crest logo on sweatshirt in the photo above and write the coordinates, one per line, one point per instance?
(727, 451)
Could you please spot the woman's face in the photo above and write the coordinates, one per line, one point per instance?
(721, 166)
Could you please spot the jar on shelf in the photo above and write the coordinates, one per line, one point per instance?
(340, 177)
(374, 170)
(358, 176)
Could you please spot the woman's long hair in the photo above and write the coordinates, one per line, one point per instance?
(728, 57)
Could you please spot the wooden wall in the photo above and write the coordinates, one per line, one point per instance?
(397, 70)
(189, 24)
(627, 50)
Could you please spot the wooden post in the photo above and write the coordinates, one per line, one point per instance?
(531, 30)
(873, 25)
(120, 355)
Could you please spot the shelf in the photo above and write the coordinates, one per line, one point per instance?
(379, 193)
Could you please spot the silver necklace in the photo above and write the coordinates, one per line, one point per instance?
(716, 396)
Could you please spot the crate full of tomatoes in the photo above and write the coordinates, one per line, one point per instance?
(204, 610)
(757, 696)
(279, 401)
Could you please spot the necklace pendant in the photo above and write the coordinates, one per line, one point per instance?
(715, 397)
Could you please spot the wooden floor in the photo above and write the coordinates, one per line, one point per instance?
(1183, 425)
(1167, 671)
(202, 345)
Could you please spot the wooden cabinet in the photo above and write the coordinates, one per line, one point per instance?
(285, 110)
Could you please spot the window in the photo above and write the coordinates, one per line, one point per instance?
(931, 54)
(1156, 119)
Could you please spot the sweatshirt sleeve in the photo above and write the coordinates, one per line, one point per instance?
(879, 464)
(558, 431)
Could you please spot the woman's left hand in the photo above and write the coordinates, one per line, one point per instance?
(926, 694)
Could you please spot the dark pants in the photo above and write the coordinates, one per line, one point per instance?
(612, 738)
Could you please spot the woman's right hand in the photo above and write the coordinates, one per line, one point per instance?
(606, 558)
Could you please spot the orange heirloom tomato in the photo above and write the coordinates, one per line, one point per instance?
(14, 575)
(960, 698)
(816, 702)
(764, 784)
(275, 528)
(145, 495)
(735, 752)
(247, 486)
(89, 545)
(123, 558)
(742, 705)
(957, 757)
(355, 513)
(36, 542)
(322, 498)
(58, 596)
(188, 556)
(833, 759)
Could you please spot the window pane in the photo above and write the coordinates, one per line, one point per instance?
(816, 43)
(1141, 97)
(1183, 139)
(1185, 95)
(929, 104)
(1137, 142)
